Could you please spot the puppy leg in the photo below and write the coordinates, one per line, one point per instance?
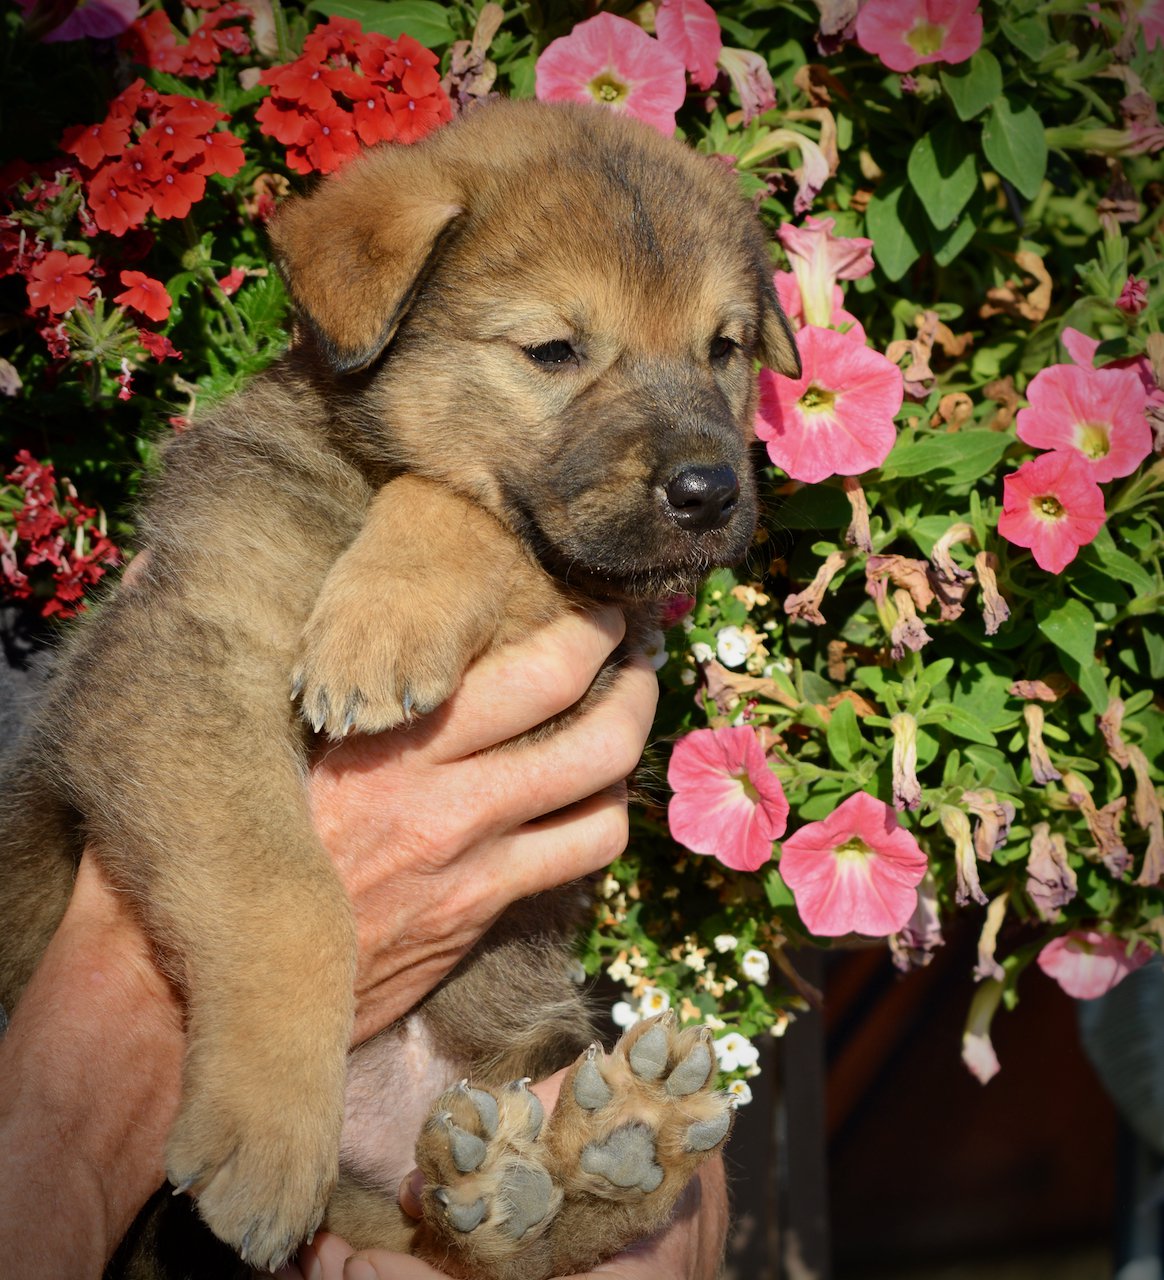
(509, 1198)
(417, 596)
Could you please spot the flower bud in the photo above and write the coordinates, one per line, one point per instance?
(977, 1050)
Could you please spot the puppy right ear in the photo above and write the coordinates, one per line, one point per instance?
(354, 253)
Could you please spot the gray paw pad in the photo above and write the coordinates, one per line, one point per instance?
(463, 1217)
(527, 1190)
(486, 1107)
(590, 1090)
(692, 1073)
(648, 1054)
(467, 1150)
(705, 1134)
(535, 1112)
(626, 1158)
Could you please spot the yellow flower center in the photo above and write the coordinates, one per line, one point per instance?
(853, 850)
(1048, 507)
(748, 787)
(817, 399)
(925, 38)
(1094, 440)
(607, 90)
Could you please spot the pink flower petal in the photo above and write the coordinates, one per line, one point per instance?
(1052, 505)
(690, 30)
(726, 801)
(857, 871)
(905, 34)
(1087, 964)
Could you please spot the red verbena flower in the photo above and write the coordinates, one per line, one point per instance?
(726, 801)
(836, 419)
(613, 63)
(1098, 413)
(158, 345)
(144, 294)
(906, 34)
(1087, 964)
(857, 871)
(1052, 505)
(60, 280)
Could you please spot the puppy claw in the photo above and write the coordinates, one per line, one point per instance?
(518, 1091)
(590, 1090)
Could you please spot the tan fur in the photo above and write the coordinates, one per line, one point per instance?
(408, 488)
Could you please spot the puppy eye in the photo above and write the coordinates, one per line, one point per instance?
(722, 348)
(551, 353)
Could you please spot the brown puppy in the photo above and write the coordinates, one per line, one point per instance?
(522, 378)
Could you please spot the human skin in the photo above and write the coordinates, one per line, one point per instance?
(90, 1068)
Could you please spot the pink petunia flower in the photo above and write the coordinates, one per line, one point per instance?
(855, 872)
(792, 304)
(819, 259)
(690, 30)
(836, 419)
(1097, 413)
(726, 801)
(1053, 505)
(97, 19)
(1087, 964)
(612, 62)
(1082, 350)
(906, 34)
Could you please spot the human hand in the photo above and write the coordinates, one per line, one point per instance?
(689, 1248)
(434, 835)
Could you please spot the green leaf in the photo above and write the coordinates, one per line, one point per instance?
(1030, 36)
(1104, 554)
(949, 243)
(944, 172)
(1070, 627)
(966, 455)
(960, 723)
(897, 225)
(1015, 143)
(776, 891)
(844, 735)
(813, 506)
(423, 20)
(972, 86)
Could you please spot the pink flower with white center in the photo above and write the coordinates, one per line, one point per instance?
(819, 259)
(1087, 964)
(97, 19)
(751, 80)
(1097, 413)
(855, 872)
(836, 419)
(690, 30)
(1053, 505)
(906, 34)
(788, 291)
(727, 802)
(614, 63)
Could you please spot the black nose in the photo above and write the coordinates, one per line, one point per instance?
(702, 498)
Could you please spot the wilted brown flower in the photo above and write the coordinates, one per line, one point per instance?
(956, 825)
(1041, 767)
(995, 609)
(805, 605)
(906, 788)
(994, 819)
(1051, 882)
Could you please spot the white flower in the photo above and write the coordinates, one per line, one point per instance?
(686, 676)
(741, 1093)
(652, 1001)
(693, 960)
(731, 646)
(724, 942)
(780, 1026)
(755, 967)
(734, 1052)
(702, 652)
(623, 1015)
(716, 1024)
(620, 971)
(655, 649)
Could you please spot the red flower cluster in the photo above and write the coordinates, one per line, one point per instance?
(152, 153)
(155, 42)
(56, 532)
(350, 87)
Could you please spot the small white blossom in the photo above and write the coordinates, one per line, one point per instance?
(755, 967)
(623, 1015)
(780, 1026)
(734, 1052)
(731, 647)
(702, 652)
(714, 1023)
(620, 970)
(686, 675)
(693, 960)
(724, 942)
(741, 1093)
(653, 1000)
(655, 649)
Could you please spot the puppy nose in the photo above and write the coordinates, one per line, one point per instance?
(702, 498)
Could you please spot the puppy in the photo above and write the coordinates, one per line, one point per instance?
(522, 378)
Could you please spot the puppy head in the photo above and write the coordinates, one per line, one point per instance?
(556, 311)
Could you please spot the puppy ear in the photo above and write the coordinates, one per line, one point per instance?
(354, 253)
(777, 342)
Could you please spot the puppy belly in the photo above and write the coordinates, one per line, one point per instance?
(392, 1081)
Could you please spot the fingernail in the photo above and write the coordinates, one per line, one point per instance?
(359, 1269)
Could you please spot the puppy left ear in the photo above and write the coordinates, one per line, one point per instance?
(355, 252)
(777, 341)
